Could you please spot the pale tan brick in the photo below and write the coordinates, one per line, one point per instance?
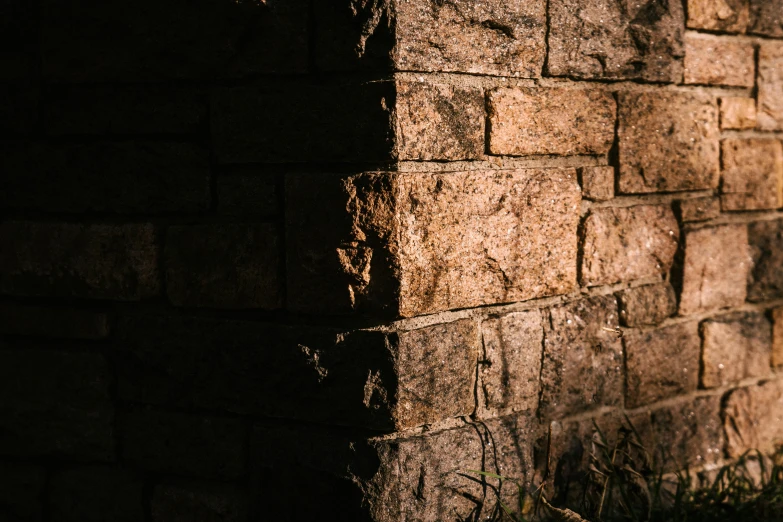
(752, 418)
(719, 61)
(735, 347)
(770, 86)
(699, 209)
(777, 337)
(752, 174)
(597, 183)
(737, 113)
(718, 15)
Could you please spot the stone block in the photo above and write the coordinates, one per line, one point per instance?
(582, 367)
(766, 249)
(751, 418)
(510, 364)
(19, 31)
(777, 337)
(183, 444)
(55, 404)
(719, 61)
(625, 244)
(698, 209)
(766, 18)
(96, 494)
(248, 274)
(88, 261)
(248, 193)
(661, 363)
(735, 347)
(604, 39)
(205, 502)
(19, 107)
(62, 323)
(714, 276)
(668, 141)
(21, 491)
(597, 183)
(731, 16)
(557, 121)
(769, 109)
(647, 305)
(737, 113)
(752, 174)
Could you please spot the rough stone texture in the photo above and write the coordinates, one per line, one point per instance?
(766, 18)
(735, 347)
(698, 209)
(96, 494)
(752, 174)
(583, 361)
(89, 261)
(647, 305)
(439, 122)
(718, 15)
(224, 266)
(414, 244)
(65, 323)
(777, 337)
(183, 444)
(510, 364)
(661, 363)
(55, 404)
(765, 280)
(597, 183)
(625, 244)
(752, 417)
(21, 490)
(719, 61)
(205, 502)
(737, 113)
(714, 276)
(770, 86)
(248, 193)
(668, 142)
(528, 121)
(115, 177)
(605, 39)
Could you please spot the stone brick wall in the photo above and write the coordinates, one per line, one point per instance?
(280, 260)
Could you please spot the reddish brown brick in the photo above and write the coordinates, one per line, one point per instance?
(770, 86)
(735, 347)
(737, 113)
(777, 337)
(699, 209)
(647, 305)
(766, 18)
(752, 174)
(719, 61)
(752, 417)
(718, 15)
(207, 502)
(597, 183)
(39, 321)
(95, 494)
(766, 250)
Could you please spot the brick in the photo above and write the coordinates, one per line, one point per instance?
(625, 244)
(777, 337)
(248, 193)
(582, 365)
(668, 142)
(438, 121)
(735, 347)
(19, 107)
(115, 177)
(55, 404)
(206, 502)
(95, 494)
(661, 363)
(527, 121)
(247, 276)
(770, 86)
(766, 250)
(510, 364)
(597, 183)
(64, 323)
(719, 61)
(604, 39)
(752, 174)
(718, 15)
(516, 239)
(112, 41)
(21, 490)
(89, 261)
(714, 276)
(183, 444)
(737, 113)
(751, 419)
(766, 18)
(647, 305)
(698, 209)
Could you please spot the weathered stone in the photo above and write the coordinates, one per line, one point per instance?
(55, 404)
(183, 444)
(605, 39)
(668, 142)
(528, 121)
(770, 86)
(766, 249)
(714, 276)
(698, 209)
(414, 244)
(735, 347)
(737, 113)
(95, 494)
(766, 18)
(205, 502)
(647, 305)
(625, 244)
(247, 276)
(116, 177)
(510, 364)
(752, 417)
(439, 122)
(247, 193)
(777, 337)
(719, 61)
(661, 363)
(90, 261)
(21, 490)
(752, 174)
(583, 358)
(65, 323)
(597, 183)
(718, 15)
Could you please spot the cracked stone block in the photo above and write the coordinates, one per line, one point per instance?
(766, 249)
(719, 61)
(752, 174)
(731, 16)
(607, 39)
(597, 183)
(95, 494)
(770, 86)
(647, 305)
(752, 417)
(698, 209)
(737, 113)
(203, 501)
(626, 244)
(766, 18)
(735, 347)
(777, 337)
(668, 142)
